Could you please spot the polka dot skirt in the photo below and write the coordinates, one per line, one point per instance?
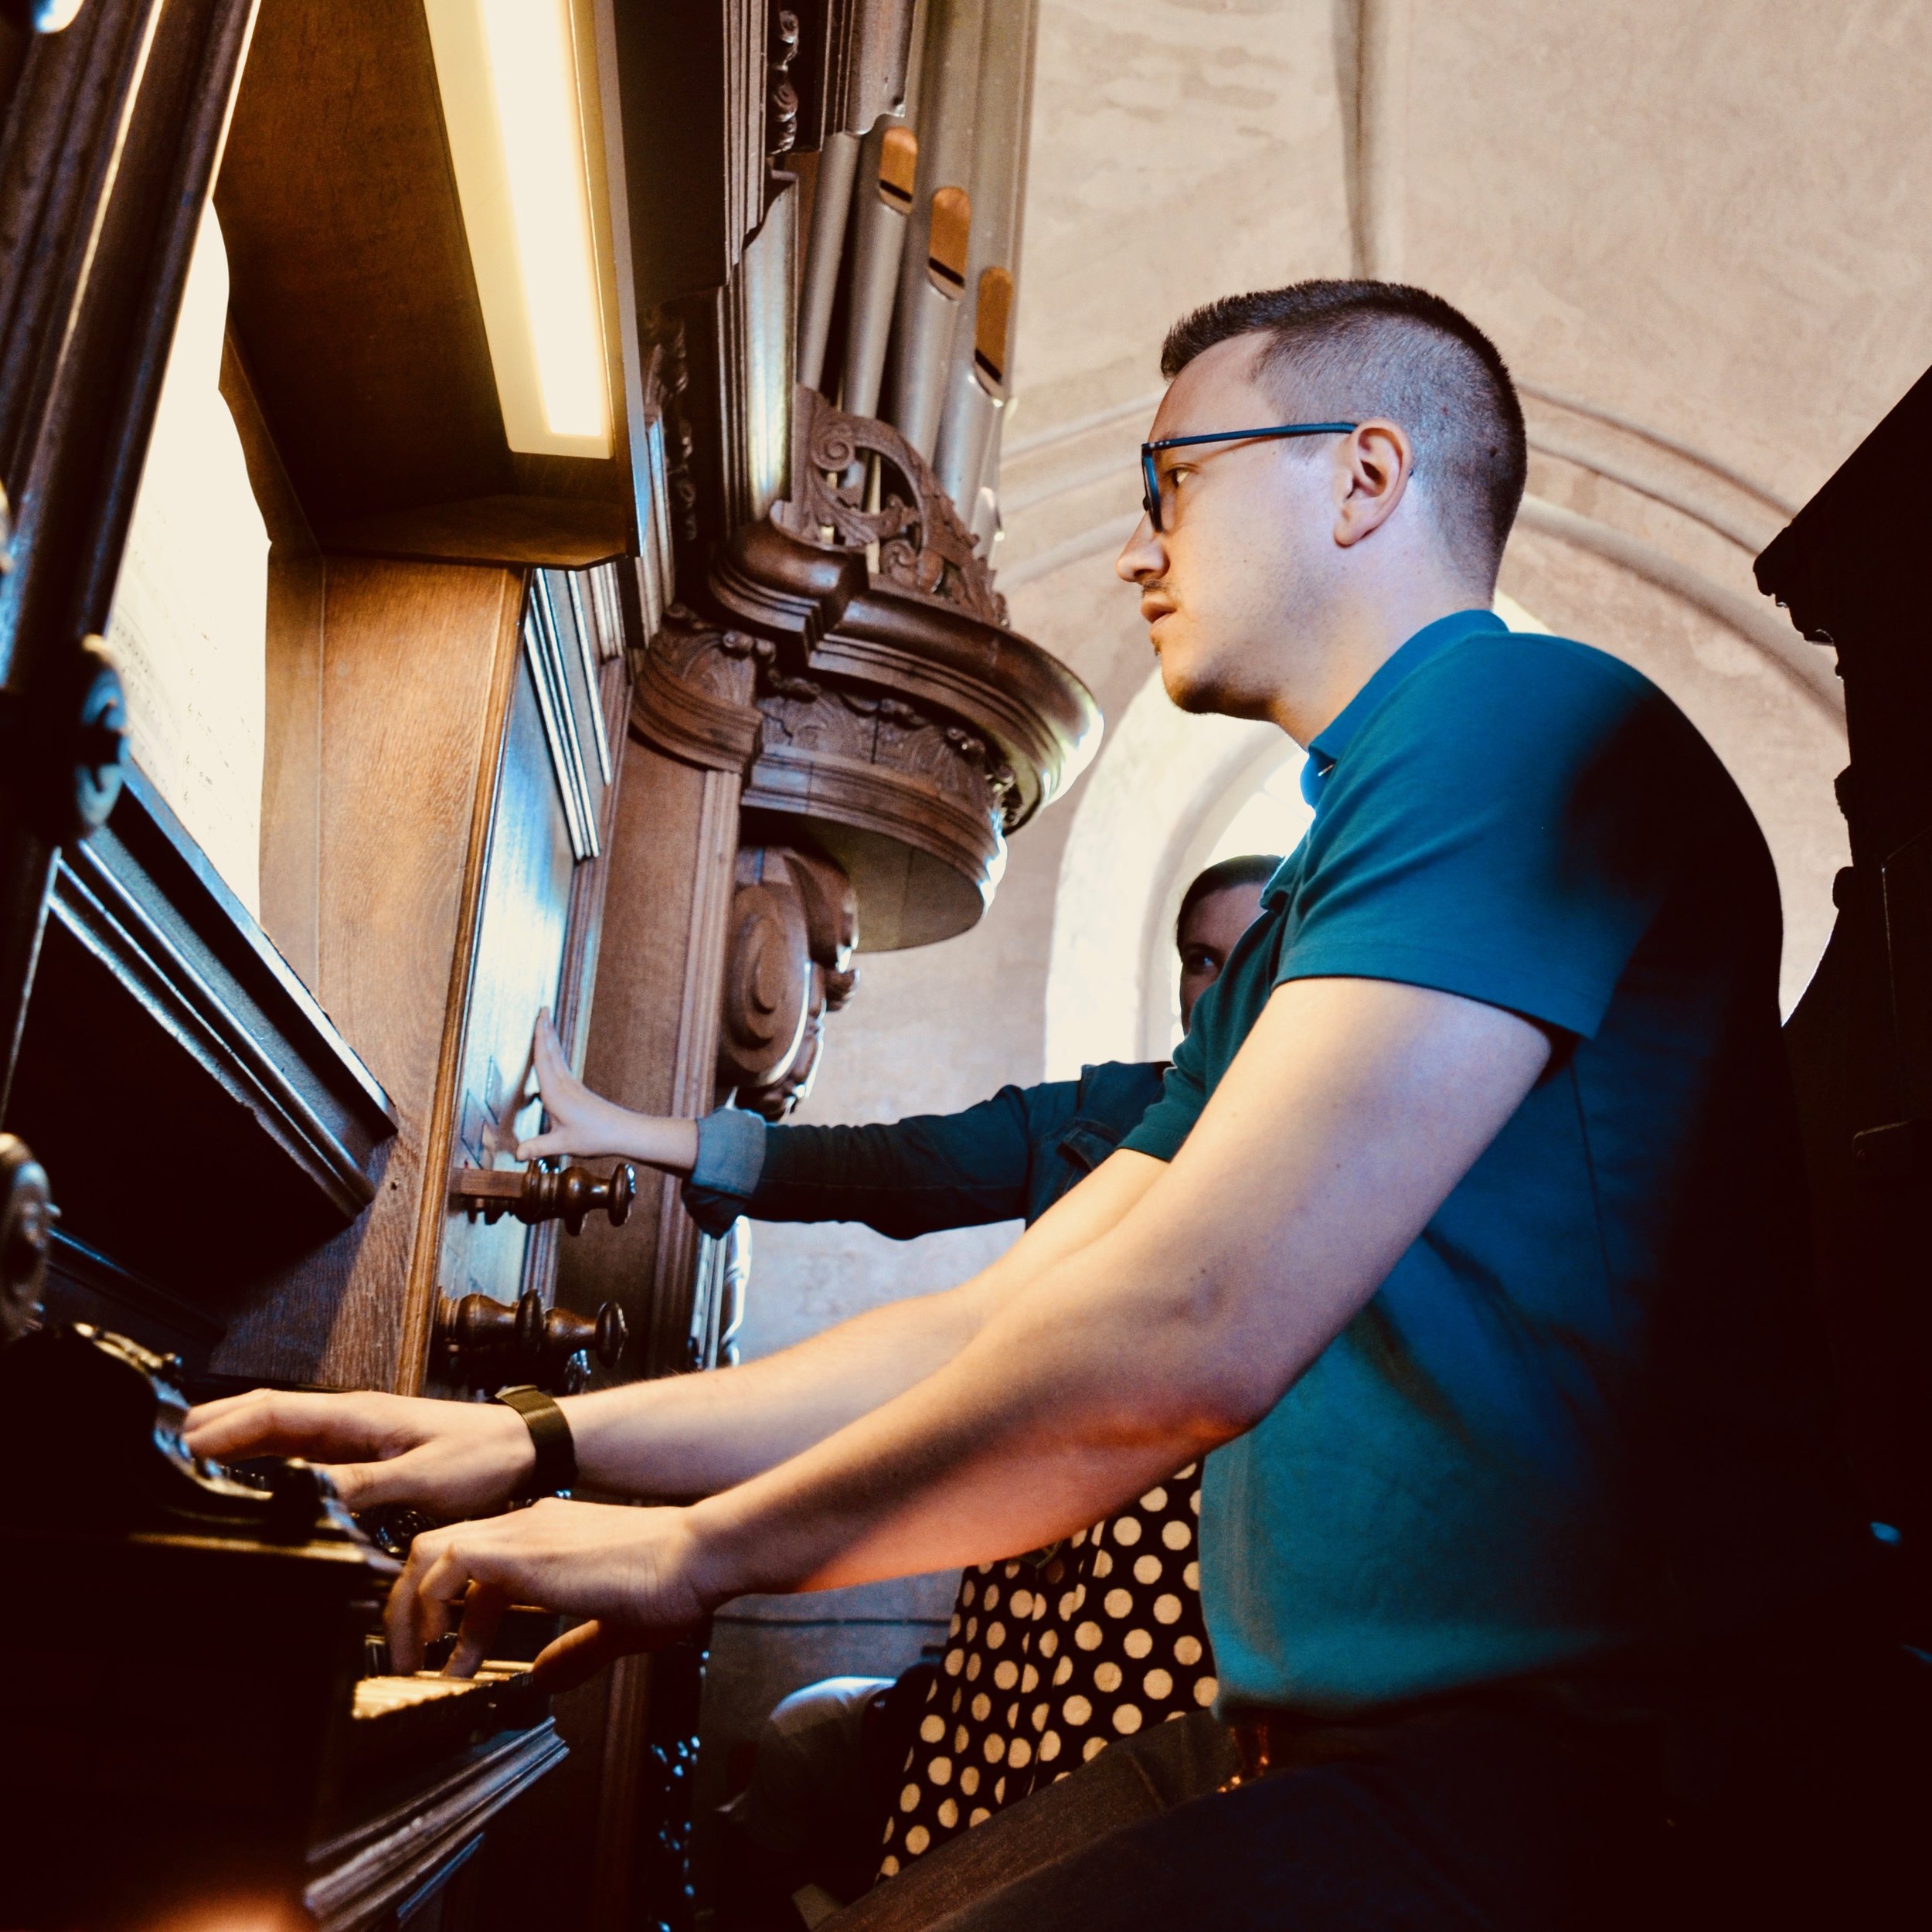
(1050, 1658)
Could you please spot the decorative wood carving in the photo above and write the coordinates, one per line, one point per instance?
(788, 963)
(695, 686)
(923, 549)
(781, 110)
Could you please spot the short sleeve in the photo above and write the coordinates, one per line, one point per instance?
(1166, 1124)
(1504, 827)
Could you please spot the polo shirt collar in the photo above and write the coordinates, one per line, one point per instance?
(1328, 744)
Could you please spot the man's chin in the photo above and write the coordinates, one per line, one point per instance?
(1185, 693)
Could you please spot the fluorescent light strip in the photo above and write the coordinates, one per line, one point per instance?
(507, 70)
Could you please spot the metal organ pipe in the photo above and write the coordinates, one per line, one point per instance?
(888, 168)
(819, 287)
(976, 380)
(933, 287)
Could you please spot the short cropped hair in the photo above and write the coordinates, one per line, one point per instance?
(1361, 349)
(1250, 869)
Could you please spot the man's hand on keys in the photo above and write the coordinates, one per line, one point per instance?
(450, 1458)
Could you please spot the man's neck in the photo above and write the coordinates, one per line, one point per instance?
(1353, 646)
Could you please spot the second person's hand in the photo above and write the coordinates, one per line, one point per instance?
(584, 1123)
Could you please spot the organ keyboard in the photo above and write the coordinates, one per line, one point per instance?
(199, 1710)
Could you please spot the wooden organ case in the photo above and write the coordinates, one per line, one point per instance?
(345, 723)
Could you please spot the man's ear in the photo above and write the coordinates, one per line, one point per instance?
(1374, 464)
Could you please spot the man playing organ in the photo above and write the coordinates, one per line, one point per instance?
(1465, 1243)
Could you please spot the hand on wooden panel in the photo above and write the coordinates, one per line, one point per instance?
(630, 1572)
(447, 1457)
(582, 1122)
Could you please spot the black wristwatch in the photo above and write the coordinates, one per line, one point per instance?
(555, 1472)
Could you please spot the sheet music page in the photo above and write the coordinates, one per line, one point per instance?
(190, 623)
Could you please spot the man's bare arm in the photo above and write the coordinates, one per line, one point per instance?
(1353, 1108)
(684, 1435)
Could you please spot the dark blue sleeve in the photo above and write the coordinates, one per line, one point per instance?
(914, 1176)
(1505, 828)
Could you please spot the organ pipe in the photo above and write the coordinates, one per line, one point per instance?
(933, 269)
(976, 379)
(888, 166)
(819, 287)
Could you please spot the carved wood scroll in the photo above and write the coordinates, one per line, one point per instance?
(924, 548)
(788, 963)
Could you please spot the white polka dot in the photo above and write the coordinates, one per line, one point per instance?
(1039, 1605)
(1088, 1635)
(1006, 1674)
(999, 1792)
(1040, 1717)
(1012, 1716)
(1167, 1609)
(991, 1600)
(974, 1662)
(1060, 1776)
(1187, 1650)
(952, 1629)
(995, 1634)
(954, 1660)
(890, 1868)
(1137, 1643)
(979, 1816)
(1049, 1642)
(949, 1813)
(961, 1738)
(1012, 1569)
(1205, 1690)
(984, 1569)
(1127, 1719)
(917, 1839)
(940, 1771)
(1078, 1538)
(1194, 1502)
(972, 1628)
(1157, 1685)
(1103, 1563)
(994, 1749)
(1108, 1675)
(1192, 1575)
(1029, 1678)
(1068, 1604)
(967, 1591)
(909, 1798)
(957, 1695)
(892, 1825)
(969, 1779)
(1021, 1603)
(982, 1708)
(1092, 1750)
(1076, 1710)
(1176, 1535)
(1062, 1670)
(1049, 1747)
(1147, 1569)
(1155, 1498)
(1020, 1756)
(1119, 1602)
(932, 1728)
(1127, 1531)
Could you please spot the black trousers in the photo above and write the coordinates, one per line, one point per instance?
(1533, 1812)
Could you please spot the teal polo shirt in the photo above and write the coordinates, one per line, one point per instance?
(1586, 1414)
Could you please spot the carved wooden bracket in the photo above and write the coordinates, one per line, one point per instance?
(792, 931)
(924, 548)
(694, 684)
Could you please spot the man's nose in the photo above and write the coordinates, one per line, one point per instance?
(1145, 555)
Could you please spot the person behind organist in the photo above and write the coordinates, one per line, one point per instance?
(837, 1760)
(1466, 1242)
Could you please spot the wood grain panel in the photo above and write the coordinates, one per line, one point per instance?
(420, 663)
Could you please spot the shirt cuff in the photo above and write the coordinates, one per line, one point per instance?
(731, 1153)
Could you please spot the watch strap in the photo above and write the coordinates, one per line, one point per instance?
(555, 1470)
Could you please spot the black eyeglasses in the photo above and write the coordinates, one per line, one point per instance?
(1150, 499)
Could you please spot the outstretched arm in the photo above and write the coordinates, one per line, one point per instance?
(684, 1435)
(1353, 1109)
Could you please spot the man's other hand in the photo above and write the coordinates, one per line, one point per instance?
(451, 1458)
(633, 1573)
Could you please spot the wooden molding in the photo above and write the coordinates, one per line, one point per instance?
(694, 687)
(564, 533)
